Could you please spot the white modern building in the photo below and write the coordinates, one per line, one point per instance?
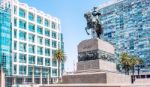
(35, 37)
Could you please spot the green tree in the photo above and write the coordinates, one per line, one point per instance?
(129, 62)
(140, 63)
(125, 62)
(133, 62)
(59, 56)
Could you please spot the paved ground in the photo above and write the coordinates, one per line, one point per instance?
(87, 85)
(97, 85)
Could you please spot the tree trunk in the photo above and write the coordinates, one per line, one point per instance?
(138, 70)
(58, 71)
(133, 77)
(133, 70)
(127, 69)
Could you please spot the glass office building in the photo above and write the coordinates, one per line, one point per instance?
(29, 38)
(5, 43)
(126, 24)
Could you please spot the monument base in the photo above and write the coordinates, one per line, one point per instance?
(97, 77)
(97, 65)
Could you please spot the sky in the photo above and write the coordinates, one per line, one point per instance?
(73, 23)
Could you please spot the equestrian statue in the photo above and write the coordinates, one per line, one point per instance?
(93, 23)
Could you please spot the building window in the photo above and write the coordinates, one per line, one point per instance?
(53, 51)
(47, 42)
(15, 22)
(54, 72)
(31, 27)
(54, 44)
(37, 71)
(59, 45)
(39, 20)
(40, 40)
(15, 57)
(47, 32)
(31, 59)
(54, 63)
(15, 9)
(47, 61)
(31, 16)
(46, 22)
(22, 12)
(15, 69)
(31, 38)
(22, 69)
(40, 61)
(54, 35)
(30, 70)
(22, 35)
(47, 52)
(22, 47)
(15, 33)
(45, 72)
(39, 30)
(40, 50)
(59, 36)
(15, 45)
(22, 24)
(53, 25)
(22, 58)
(31, 49)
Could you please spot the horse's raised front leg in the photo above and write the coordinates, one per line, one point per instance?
(86, 29)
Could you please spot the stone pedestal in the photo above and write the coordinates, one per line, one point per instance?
(96, 65)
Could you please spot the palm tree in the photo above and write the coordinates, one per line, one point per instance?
(129, 62)
(140, 62)
(125, 62)
(134, 61)
(60, 57)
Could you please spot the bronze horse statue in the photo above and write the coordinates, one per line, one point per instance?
(93, 22)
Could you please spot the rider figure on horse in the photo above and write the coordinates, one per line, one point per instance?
(93, 23)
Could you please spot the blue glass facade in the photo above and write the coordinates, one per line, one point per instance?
(126, 24)
(5, 41)
(5, 44)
